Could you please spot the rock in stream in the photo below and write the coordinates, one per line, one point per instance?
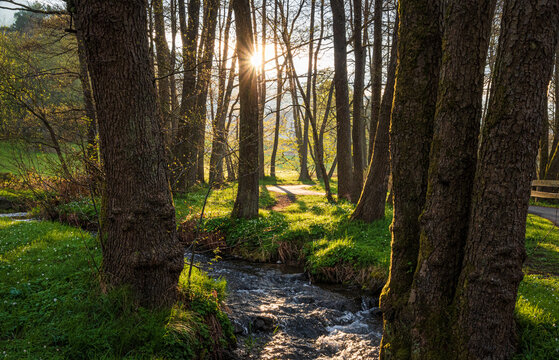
(280, 315)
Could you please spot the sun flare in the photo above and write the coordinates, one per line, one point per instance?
(256, 60)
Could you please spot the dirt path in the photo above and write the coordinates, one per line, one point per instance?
(551, 214)
(288, 194)
(298, 189)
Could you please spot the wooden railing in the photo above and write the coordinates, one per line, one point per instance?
(547, 184)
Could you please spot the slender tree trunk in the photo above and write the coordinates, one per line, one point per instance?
(172, 79)
(88, 100)
(320, 145)
(411, 131)
(163, 66)
(203, 82)
(376, 74)
(373, 198)
(544, 146)
(262, 95)
(185, 149)
(358, 130)
(279, 93)
(246, 203)
(140, 246)
(219, 139)
(451, 172)
(343, 126)
(494, 252)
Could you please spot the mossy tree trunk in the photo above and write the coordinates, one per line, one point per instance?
(343, 123)
(444, 225)
(246, 203)
(373, 197)
(419, 56)
(494, 252)
(140, 247)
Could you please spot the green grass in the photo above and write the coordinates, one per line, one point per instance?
(52, 306)
(16, 157)
(537, 306)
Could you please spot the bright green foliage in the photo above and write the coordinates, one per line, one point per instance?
(52, 305)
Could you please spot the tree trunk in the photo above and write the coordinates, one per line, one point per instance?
(184, 174)
(203, 82)
(376, 75)
(140, 246)
(343, 124)
(246, 203)
(262, 95)
(444, 227)
(494, 252)
(373, 198)
(358, 130)
(415, 95)
(544, 146)
(88, 103)
(279, 93)
(163, 67)
(219, 139)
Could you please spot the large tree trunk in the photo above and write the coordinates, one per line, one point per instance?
(246, 203)
(376, 75)
(415, 95)
(185, 150)
(494, 252)
(373, 198)
(343, 126)
(358, 130)
(140, 246)
(444, 227)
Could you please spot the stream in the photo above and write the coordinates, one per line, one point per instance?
(278, 314)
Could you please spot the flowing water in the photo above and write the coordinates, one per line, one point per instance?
(278, 314)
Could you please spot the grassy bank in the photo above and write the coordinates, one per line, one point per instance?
(52, 305)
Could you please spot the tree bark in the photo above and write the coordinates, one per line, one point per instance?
(419, 56)
(373, 197)
(246, 203)
(451, 172)
(358, 130)
(140, 246)
(494, 252)
(343, 124)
